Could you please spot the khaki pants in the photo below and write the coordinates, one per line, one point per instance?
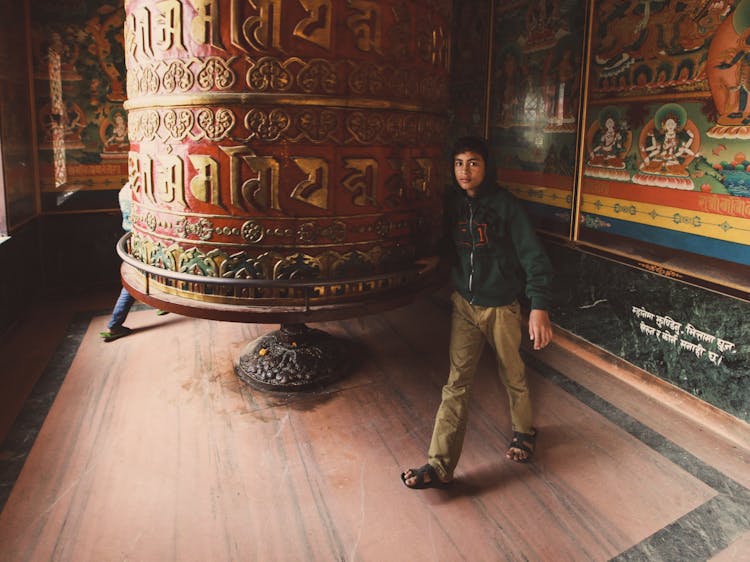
(471, 327)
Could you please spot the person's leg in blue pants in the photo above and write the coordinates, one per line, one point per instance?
(115, 328)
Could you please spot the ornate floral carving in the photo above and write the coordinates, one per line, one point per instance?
(150, 221)
(383, 227)
(336, 231)
(196, 262)
(149, 82)
(267, 265)
(202, 229)
(401, 83)
(297, 266)
(317, 126)
(216, 73)
(252, 232)
(367, 79)
(308, 232)
(318, 76)
(241, 266)
(269, 74)
(178, 122)
(215, 124)
(267, 126)
(143, 125)
(364, 127)
(177, 76)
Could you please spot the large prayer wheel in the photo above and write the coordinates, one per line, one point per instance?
(286, 156)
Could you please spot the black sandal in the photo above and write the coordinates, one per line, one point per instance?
(525, 442)
(419, 475)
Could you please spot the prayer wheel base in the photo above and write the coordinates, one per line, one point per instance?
(293, 358)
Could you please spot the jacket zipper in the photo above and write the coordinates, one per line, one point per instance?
(471, 255)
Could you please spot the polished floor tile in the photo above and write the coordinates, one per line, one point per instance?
(154, 450)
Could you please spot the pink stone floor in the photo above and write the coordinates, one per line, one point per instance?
(153, 450)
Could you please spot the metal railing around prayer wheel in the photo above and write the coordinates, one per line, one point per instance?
(286, 156)
(318, 358)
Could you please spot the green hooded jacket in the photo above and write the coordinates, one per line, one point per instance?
(497, 255)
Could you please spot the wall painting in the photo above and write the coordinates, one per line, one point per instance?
(534, 104)
(79, 76)
(667, 151)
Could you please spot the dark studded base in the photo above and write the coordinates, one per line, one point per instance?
(294, 358)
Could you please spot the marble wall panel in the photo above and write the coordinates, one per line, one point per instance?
(693, 338)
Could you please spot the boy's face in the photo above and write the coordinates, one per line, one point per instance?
(469, 168)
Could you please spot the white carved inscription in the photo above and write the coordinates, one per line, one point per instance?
(695, 341)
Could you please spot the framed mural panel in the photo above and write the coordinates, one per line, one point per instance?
(469, 69)
(666, 145)
(17, 185)
(79, 78)
(534, 99)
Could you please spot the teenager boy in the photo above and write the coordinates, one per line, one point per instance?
(496, 257)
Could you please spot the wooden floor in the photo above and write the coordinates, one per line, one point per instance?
(153, 450)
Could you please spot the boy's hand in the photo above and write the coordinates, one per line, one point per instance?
(540, 328)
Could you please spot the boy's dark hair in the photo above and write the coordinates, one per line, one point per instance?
(471, 144)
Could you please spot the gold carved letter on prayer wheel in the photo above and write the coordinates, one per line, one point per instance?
(286, 156)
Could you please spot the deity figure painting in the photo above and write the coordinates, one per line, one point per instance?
(543, 25)
(668, 144)
(561, 70)
(728, 71)
(608, 142)
(114, 132)
(512, 77)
